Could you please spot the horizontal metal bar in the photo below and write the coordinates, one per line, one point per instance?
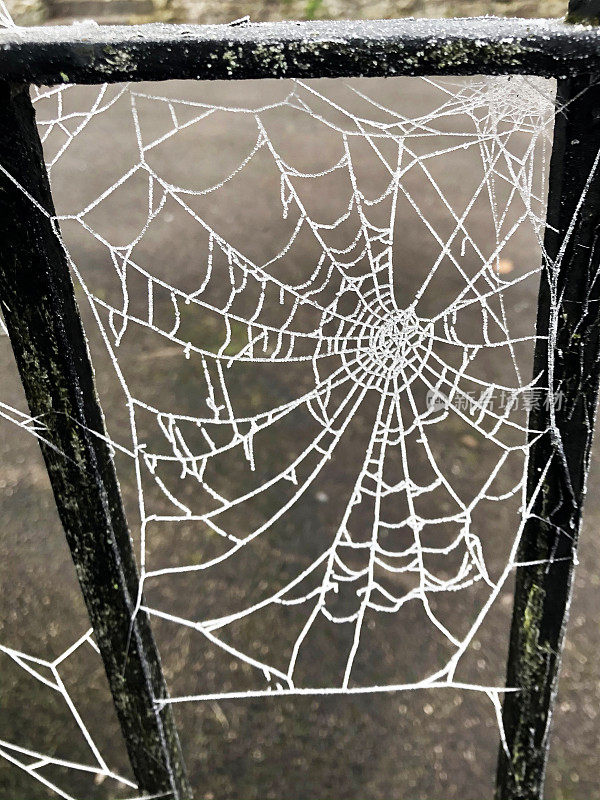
(88, 53)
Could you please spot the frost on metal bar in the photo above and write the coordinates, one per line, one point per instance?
(87, 53)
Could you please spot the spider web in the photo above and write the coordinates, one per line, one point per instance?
(369, 366)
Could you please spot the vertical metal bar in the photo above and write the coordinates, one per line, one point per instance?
(567, 357)
(38, 303)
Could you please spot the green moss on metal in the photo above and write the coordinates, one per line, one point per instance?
(117, 59)
(281, 58)
(533, 666)
(581, 18)
(533, 652)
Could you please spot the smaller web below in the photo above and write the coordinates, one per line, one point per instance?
(36, 764)
(53, 683)
(288, 409)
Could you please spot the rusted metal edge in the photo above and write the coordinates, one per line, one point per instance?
(88, 53)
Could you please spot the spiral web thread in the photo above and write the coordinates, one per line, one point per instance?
(342, 320)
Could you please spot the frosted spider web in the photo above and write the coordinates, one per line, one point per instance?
(342, 318)
(397, 362)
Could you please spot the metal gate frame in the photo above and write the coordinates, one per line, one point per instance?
(43, 322)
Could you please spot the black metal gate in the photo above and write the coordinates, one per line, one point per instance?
(41, 315)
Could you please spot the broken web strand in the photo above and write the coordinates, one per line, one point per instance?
(365, 353)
